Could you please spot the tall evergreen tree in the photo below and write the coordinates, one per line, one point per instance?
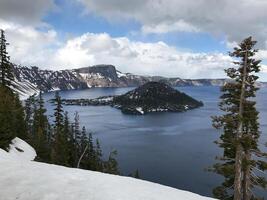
(12, 117)
(12, 122)
(136, 174)
(111, 165)
(19, 123)
(76, 125)
(30, 107)
(72, 150)
(41, 131)
(83, 149)
(7, 132)
(6, 72)
(98, 152)
(240, 128)
(58, 113)
(59, 154)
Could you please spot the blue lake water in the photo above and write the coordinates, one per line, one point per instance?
(173, 149)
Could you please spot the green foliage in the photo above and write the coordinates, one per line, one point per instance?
(19, 123)
(41, 129)
(240, 125)
(111, 166)
(136, 174)
(7, 116)
(6, 72)
(12, 116)
(12, 123)
(59, 153)
(65, 144)
(62, 142)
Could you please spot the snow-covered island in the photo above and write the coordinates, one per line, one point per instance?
(150, 97)
(23, 179)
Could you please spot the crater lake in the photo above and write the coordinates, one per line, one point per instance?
(174, 149)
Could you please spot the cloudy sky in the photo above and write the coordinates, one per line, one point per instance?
(175, 38)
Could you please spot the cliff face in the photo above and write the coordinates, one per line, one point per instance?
(48, 80)
(95, 76)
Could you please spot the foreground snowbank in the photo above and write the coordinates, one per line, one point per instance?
(28, 180)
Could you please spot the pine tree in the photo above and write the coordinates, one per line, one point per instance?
(6, 72)
(239, 140)
(72, 151)
(59, 154)
(7, 132)
(91, 160)
(12, 122)
(84, 147)
(77, 132)
(19, 123)
(111, 165)
(98, 152)
(58, 113)
(30, 107)
(41, 131)
(136, 174)
(12, 117)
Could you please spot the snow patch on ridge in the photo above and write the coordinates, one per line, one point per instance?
(119, 74)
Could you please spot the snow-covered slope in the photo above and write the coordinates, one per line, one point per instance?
(25, 88)
(23, 179)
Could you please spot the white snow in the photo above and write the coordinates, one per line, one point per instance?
(159, 110)
(84, 75)
(88, 85)
(55, 89)
(19, 150)
(87, 76)
(119, 74)
(140, 110)
(25, 89)
(29, 180)
(105, 99)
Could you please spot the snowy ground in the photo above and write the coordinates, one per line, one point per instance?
(23, 179)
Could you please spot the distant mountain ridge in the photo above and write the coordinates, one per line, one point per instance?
(95, 76)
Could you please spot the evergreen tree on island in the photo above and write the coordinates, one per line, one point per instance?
(239, 140)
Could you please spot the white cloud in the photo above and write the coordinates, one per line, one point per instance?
(141, 58)
(29, 46)
(236, 19)
(264, 69)
(180, 26)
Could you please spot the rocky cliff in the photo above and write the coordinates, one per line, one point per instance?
(94, 76)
